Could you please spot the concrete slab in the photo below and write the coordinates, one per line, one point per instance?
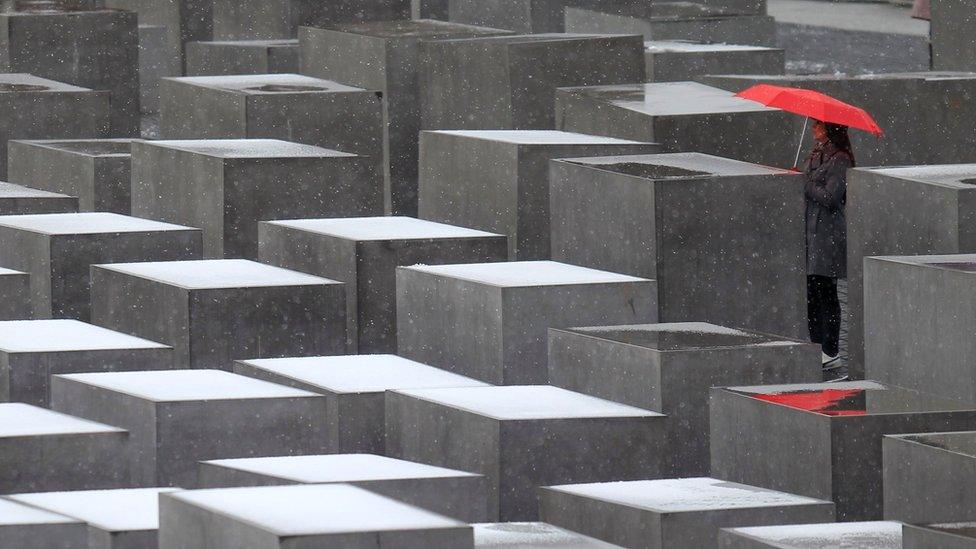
(678, 20)
(531, 535)
(866, 535)
(925, 476)
(156, 60)
(953, 45)
(20, 200)
(185, 21)
(32, 528)
(683, 60)
(955, 535)
(230, 57)
(14, 295)
(260, 19)
(525, 16)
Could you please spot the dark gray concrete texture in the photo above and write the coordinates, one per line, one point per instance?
(527, 16)
(97, 171)
(456, 494)
(943, 536)
(498, 180)
(510, 82)
(822, 440)
(685, 512)
(27, 527)
(860, 535)
(363, 253)
(687, 220)
(58, 250)
(242, 57)
(156, 60)
(272, 19)
(919, 321)
(490, 321)
(675, 20)
(926, 477)
(14, 295)
(953, 35)
(20, 200)
(532, 535)
(822, 50)
(683, 60)
(176, 418)
(385, 56)
(31, 351)
(41, 450)
(185, 21)
(226, 187)
(674, 113)
(36, 108)
(214, 312)
(96, 49)
(430, 9)
(903, 211)
(669, 368)
(524, 437)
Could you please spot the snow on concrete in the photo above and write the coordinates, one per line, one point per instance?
(362, 373)
(20, 420)
(945, 174)
(338, 468)
(682, 327)
(526, 273)
(538, 137)
(218, 273)
(699, 162)
(246, 81)
(863, 535)
(687, 46)
(382, 228)
(187, 385)
(792, 387)
(126, 510)
(16, 514)
(516, 402)
(9, 190)
(62, 335)
(31, 80)
(86, 223)
(249, 148)
(536, 535)
(677, 98)
(9, 272)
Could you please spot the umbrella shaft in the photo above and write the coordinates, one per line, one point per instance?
(800, 145)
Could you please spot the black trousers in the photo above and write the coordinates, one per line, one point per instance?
(823, 313)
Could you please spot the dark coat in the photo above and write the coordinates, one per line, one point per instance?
(826, 196)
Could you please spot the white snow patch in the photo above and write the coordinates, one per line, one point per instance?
(249, 148)
(946, 173)
(16, 514)
(86, 223)
(678, 98)
(9, 190)
(778, 343)
(29, 79)
(125, 510)
(38, 336)
(242, 82)
(218, 273)
(710, 165)
(9, 272)
(534, 535)
(793, 387)
(684, 327)
(18, 420)
(382, 228)
(866, 535)
(684, 46)
(526, 273)
(187, 385)
(538, 137)
(338, 468)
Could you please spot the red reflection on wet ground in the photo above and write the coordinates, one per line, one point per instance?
(830, 402)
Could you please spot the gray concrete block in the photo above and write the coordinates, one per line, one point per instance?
(821, 440)
(185, 21)
(364, 253)
(37, 108)
(96, 49)
(523, 437)
(918, 323)
(156, 60)
(242, 57)
(59, 249)
(20, 200)
(677, 21)
(488, 321)
(498, 180)
(456, 494)
(14, 295)
(354, 387)
(686, 512)
(686, 220)
(681, 60)
(429, 9)
(301, 516)
(952, 29)
(43, 450)
(31, 351)
(943, 536)
(95, 170)
(31, 528)
(226, 186)
(683, 117)
(926, 477)
(214, 312)
(527, 16)
(532, 535)
(176, 418)
(866, 535)
(669, 368)
(264, 19)
(385, 56)
(500, 83)
(116, 519)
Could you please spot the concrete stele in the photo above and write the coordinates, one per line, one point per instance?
(187, 385)
(23, 420)
(382, 228)
(217, 273)
(124, 510)
(85, 223)
(865, 535)
(332, 468)
(63, 335)
(526, 273)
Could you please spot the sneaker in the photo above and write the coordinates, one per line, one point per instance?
(830, 362)
(841, 377)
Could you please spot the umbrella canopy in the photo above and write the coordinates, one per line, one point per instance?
(812, 104)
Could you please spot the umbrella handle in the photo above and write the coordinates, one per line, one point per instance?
(800, 144)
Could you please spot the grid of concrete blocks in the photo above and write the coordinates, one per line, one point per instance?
(469, 273)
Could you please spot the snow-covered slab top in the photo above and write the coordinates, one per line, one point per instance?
(311, 509)
(271, 43)
(268, 83)
(957, 442)
(126, 510)
(526, 273)
(793, 387)
(338, 468)
(382, 228)
(676, 336)
(249, 148)
(537, 535)
(9, 272)
(10, 190)
(362, 373)
(207, 274)
(862, 535)
(61, 335)
(697, 164)
(415, 29)
(14, 82)
(687, 46)
(538, 137)
(20, 420)
(959, 262)
(950, 175)
(187, 385)
(87, 223)
(533, 38)
(17, 514)
(516, 402)
(109, 147)
(672, 98)
(686, 494)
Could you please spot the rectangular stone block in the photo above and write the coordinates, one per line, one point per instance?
(821, 440)
(523, 437)
(44, 450)
(916, 210)
(176, 418)
(488, 321)
(683, 116)
(364, 253)
(385, 56)
(31, 528)
(873, 535)
(20, 200)
(116, 519)
(269, 19)
(678, 21)
(226, 186)
(185, 21)
(682, 60)
(429, 9)
(97, 171)
(669, 368)
(457, 494)
(498, 180)
(527, 16)
(499, 82)
(215, 312)
(523, 535)
(301, 516)
(926, 477)
(37, 108)
(951, 36)
(687, 221)
(156, 60)
(242, 57)
(685, 512)
(31, 351)
(944, 536)
(14, 295)
(58, 251)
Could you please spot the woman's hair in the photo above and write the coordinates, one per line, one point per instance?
(837, 134)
